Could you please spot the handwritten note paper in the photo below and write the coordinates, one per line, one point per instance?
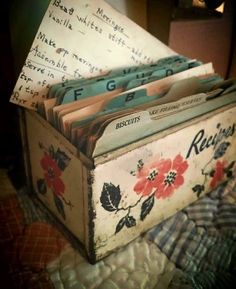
(82, 38)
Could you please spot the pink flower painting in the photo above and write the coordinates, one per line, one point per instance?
(52, 175)
(53, 163)
(218, 174)
(162, 177)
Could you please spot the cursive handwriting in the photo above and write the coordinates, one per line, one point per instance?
(109, 20)
(89, 23)
(59, 64)
(58, 3)
(202, 141)
(92, 68)
(65, 22)
(42, 36)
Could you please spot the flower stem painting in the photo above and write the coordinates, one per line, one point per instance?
(154, 181)
(54, 162)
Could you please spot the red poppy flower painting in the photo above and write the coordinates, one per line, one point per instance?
(52, 175)
(173, 177)
(214, 174)
(161, 177)
(218, 173)
(53, 163)
(150, 177)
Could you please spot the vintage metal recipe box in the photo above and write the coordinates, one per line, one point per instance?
(127, 185)
(109, 200)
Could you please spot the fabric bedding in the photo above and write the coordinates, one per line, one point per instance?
(201, 240)
(196, 248)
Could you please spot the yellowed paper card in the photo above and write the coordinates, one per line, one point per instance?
(82, 38)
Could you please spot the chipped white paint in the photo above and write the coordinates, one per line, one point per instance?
(131, 189)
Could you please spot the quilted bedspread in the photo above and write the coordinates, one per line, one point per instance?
(196, 248)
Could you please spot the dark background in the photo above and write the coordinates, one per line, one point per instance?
(19, 21)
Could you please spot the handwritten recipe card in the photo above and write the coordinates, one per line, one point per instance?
(82, 38)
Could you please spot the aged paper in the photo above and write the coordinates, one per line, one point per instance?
(82, 38)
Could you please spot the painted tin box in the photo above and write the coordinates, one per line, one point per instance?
(109, 200)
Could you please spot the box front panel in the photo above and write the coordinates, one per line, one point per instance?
(139, 189)
(57, 175)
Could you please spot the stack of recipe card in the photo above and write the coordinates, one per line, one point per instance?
(101, 114)
(104, 82)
